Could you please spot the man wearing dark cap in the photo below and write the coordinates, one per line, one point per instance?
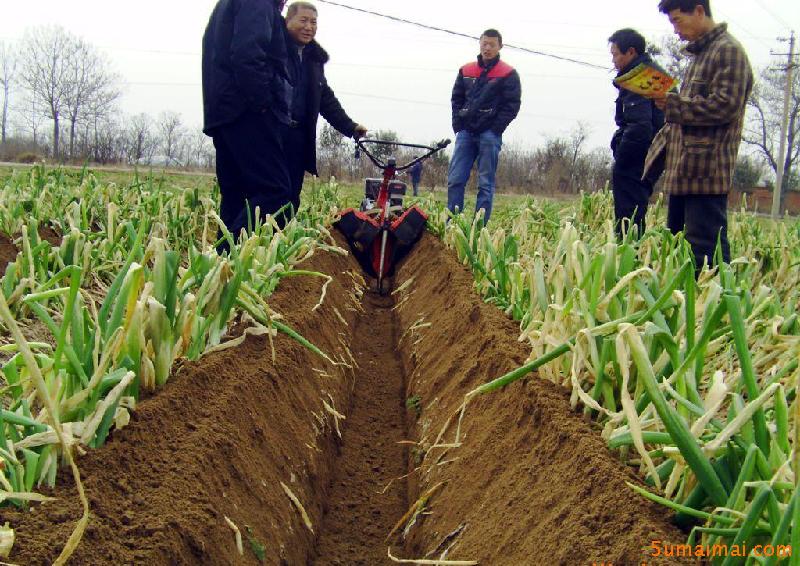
(246, 107)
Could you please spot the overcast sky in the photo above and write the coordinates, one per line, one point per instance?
(394, 76)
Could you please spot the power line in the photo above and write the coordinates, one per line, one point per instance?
(392, 68)
(773, 14)
(198, 54)
(447, 105)
(153, 51)
(378, 97)
(132, 49)
(155, 83)
(459, 34)
(450, 71)
(743, 28)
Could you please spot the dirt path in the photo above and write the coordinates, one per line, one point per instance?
(359, 516)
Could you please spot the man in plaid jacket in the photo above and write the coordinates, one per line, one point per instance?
(697, 148)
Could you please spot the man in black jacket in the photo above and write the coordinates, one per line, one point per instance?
(486, 98)
(311, 97)
(246, 97)
(638, 120)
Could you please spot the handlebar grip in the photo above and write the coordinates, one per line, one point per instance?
(443, 144)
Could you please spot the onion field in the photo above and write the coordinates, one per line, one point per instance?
(519, 379)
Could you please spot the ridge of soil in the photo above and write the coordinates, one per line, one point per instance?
(8, 252)
(217, 441)
(361, 511)
(532, 482)
(50, 234)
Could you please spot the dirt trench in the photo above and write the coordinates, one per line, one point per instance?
(367, 498)
(237, 436)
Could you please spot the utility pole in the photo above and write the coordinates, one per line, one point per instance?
(777, 193)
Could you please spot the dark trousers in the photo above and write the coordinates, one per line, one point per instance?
(703, 220)
(251, 170)
(295, 153)
(631, 197)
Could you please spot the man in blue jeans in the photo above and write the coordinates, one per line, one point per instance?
(486, 98)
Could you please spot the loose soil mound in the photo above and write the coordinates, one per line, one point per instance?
(532, 483)
(49, 234)
(8, 252)
(217, 442)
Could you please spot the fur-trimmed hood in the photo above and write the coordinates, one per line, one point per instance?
(316, 52)
(321, 101)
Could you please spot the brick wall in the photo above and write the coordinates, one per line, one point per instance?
(760, 199)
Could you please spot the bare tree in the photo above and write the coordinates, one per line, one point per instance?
(592, 171)
(8, 66)
(140, 141)
(46, 55)
(92, 88)
(577, 138)
(29, 117)
(385, 151)
(102, 110)
(171, 131)
(670, 54)
(107, 144)
(764, 123)
(332, 147)
(204, 153)
(198, 148)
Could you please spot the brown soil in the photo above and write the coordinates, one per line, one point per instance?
(49, 234)
(360, 513)
(532, 482)
(8, 252)
(216, 442)
(33, 330)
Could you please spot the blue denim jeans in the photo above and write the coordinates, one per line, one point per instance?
(485, 147)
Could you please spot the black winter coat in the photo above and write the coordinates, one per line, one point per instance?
(246, 70)
(486, 96)
(638, 121)
(321, 100)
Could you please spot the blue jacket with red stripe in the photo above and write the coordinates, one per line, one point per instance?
(486, 96)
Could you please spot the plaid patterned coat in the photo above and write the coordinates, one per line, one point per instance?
(697, 147)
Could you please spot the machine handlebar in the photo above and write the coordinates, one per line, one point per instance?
(360, 146)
